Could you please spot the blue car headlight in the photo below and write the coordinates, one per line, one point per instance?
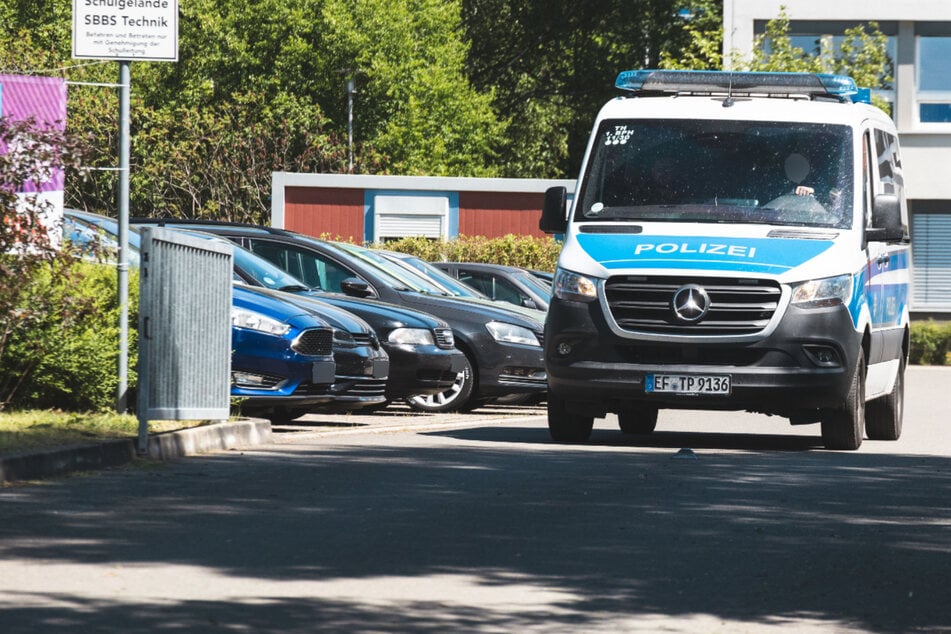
(244, 318)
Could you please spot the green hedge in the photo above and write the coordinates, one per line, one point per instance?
(64, 353)
(526, 251)
(930, 343)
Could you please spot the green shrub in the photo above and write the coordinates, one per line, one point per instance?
(525, 251)
(62, 345)
(930, 343)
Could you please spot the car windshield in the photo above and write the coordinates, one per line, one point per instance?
(408, 278)
(540, 286)
(451, 284)
(264, 272)
(720, 171)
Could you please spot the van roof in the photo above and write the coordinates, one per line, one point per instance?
(733, 83)
(791, 97)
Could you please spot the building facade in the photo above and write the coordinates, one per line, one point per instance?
(919, 45)
(379, 208)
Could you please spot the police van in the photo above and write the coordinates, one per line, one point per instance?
(736, 241)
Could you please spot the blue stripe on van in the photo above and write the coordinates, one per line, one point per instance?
(748, 255)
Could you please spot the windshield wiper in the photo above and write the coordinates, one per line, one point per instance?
(294, 288)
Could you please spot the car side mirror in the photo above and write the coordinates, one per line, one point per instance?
(553, 212)
(886, 220)
(355, 287)
(528, 302)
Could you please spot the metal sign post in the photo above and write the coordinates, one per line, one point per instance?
(125, 32)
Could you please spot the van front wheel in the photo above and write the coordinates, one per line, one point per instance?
(637, 420)
(884, 415)
(843, 428)
(566, 426)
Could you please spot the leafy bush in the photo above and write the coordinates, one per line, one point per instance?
(525, 251)
(61, 345)
(930, 343)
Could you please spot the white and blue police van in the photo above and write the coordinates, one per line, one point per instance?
(736, 241)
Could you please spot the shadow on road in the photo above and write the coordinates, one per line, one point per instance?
(610, 534)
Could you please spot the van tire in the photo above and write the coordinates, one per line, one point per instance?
(639, 419)
(884, 415)
(843, 428)
(566, 426)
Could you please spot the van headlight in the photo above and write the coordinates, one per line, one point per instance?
(243, 318)
(574, 286)
(828, 291)
(510, 333)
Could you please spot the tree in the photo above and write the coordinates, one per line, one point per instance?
(862, 55)
(28, 153)
(703, 30)
(551, 65)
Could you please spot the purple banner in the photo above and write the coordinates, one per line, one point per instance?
(44, 100)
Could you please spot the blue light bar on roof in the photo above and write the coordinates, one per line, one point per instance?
(744, 83)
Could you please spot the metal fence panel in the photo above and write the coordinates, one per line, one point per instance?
(184, 327)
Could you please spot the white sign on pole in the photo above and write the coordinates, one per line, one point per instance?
(137, 30)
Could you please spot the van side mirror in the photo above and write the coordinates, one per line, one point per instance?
(553, 213)
(886, 220)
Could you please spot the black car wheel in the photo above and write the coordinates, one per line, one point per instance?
(459, 397)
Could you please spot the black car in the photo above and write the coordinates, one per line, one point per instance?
(502, 347)
(499, 282)
(421, 347)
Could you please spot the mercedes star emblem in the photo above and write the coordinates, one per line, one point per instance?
(691, 303)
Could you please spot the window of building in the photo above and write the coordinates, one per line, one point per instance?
(934, 78)
(823, 39)
(931, 258)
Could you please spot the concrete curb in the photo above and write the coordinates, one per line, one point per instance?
(113, 453)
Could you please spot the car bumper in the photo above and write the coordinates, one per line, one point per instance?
(418, 370)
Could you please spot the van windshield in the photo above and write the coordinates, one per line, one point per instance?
(720, 171)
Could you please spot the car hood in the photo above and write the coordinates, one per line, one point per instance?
(475, 309)
(335, 316)
(380, 315)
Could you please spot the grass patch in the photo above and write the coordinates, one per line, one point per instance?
(44, 429)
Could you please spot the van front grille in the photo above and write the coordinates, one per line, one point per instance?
(678, 305)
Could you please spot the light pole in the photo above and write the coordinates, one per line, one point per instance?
(350, 92)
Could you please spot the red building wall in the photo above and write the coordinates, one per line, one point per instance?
(495, 214)
(337, 212)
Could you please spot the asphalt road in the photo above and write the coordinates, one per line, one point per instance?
(403, 523)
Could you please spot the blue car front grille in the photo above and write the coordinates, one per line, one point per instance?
(314, 342)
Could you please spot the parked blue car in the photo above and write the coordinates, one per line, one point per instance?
(282, 362)
(287, 360)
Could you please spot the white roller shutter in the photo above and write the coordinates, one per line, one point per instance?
(931, 258)
(403, 216)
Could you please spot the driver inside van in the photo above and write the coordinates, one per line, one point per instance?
(797, 168)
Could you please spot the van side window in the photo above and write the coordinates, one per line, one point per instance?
(890, 179)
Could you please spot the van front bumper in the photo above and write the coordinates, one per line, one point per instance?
(804, 364)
